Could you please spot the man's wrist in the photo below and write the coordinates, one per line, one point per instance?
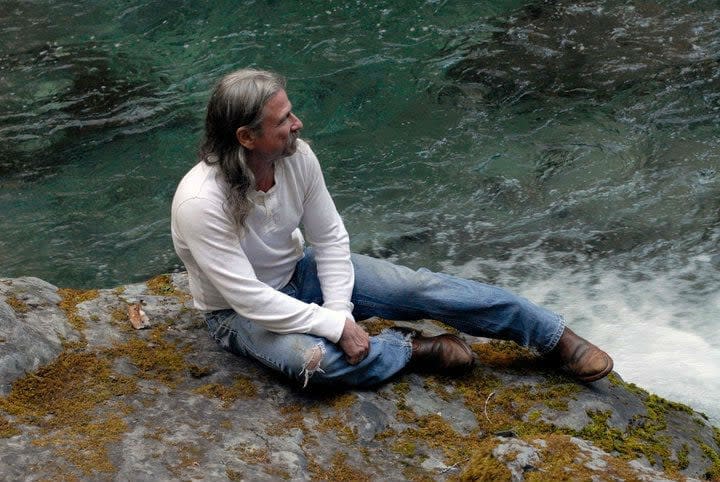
(344, 307)
(330, 324)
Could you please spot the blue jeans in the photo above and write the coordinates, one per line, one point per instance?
(389, 291)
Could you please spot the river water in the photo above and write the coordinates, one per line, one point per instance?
(565, 150)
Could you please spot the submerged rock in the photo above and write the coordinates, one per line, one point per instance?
(87, 396)
(587, 49)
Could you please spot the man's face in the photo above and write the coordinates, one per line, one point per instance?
(279, 129)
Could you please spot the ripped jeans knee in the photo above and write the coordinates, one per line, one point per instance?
(313, 358)
(307, 358)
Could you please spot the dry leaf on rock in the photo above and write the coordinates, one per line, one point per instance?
(138, 318)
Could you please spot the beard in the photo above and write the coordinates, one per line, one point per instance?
(292, 144)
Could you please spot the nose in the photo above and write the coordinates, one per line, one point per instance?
(297, 123)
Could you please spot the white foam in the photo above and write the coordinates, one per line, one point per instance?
(659, 340)
(638, 324)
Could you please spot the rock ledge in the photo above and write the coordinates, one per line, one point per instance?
(85, 396)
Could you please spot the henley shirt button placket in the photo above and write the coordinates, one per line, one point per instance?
(262, 201)
(270, 209)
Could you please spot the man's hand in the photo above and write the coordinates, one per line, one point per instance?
(355, 342)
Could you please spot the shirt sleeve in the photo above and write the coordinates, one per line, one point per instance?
(325, 231)
(215, 246)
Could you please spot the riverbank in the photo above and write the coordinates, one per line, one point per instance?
(83, 395)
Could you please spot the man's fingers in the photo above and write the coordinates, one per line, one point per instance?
(357, 358)
(355, 342)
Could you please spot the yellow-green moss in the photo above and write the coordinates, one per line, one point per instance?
(234, 475)
(7, 430)
(534, 416)
(641, 438)
(417, 474)
(655, 402)
(435, 432)
(401, 388)
(615, 380)
(714, 472)
(445, 328)
(562, 459)
(485, 467)
(120, 318)
(120, 315)
(64, 398)
(292, 416)
(254, 455)
(339, 469)
(189, 455)
(18, 305)
(277, 473)
(155, 357)
(86, 445)
(388, 433)
(70, 298)
(497, 406)
(241, 388)
(404, 413)
(472, 452)
(405, 447)
(336, 425)
(257, 456)
(559, 459)
(162, 285)
(434, 384)
(344, 401)
(157, 433)
(683, 457)
(197, 371)
(64, 392)
(601, 433)
(500, 407)
(504, 354)
(376, 325)
(53, 470)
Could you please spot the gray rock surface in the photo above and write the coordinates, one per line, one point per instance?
(98, 400)
(32, 331)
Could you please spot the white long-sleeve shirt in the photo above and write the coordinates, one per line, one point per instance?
(243, 270)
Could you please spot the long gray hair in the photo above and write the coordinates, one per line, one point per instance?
(237, 100)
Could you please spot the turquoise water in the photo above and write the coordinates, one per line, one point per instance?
(566, 151)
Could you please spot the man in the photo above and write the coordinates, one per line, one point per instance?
(235, 225)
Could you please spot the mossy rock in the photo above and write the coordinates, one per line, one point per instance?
(167, 403)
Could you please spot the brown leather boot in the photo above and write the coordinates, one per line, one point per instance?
(580, 358)
(443, 354)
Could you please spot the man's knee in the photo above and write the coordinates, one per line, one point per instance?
(313, 356)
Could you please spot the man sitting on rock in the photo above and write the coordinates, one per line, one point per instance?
(235, 225)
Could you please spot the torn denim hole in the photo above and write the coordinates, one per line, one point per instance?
(314, 356)
(407, 333)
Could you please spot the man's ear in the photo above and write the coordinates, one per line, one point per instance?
(245, 137)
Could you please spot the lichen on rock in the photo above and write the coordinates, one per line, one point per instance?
(106, 402)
